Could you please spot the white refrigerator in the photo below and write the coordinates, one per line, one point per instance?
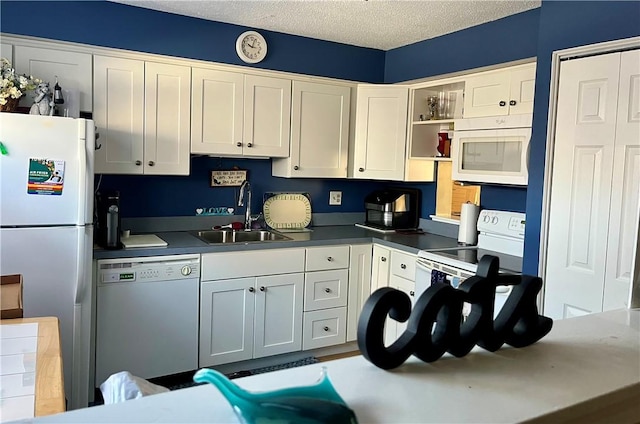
(46, 229)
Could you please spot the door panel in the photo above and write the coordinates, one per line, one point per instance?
(119, 114)
(581, 185)
(217, 112)
(278, 314)
(625, 196)
(167, 119)
(381, 132)
(226, 321)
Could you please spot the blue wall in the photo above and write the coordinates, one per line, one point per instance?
(565, 24)
(536, 33)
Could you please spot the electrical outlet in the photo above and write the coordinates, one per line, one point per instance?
(335, 198)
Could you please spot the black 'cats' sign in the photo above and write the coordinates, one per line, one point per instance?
(518, 324)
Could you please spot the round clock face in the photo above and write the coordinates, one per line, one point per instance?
(251, 47)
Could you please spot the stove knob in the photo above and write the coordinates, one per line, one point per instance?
(186, 270)
(486, 218)
(494, 220)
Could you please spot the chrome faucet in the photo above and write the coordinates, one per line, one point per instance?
(241, 202)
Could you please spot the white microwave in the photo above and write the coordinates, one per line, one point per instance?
(492, 150)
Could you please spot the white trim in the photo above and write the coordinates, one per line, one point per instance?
(556, 57)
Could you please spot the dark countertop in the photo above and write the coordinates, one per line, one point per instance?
(183, 242)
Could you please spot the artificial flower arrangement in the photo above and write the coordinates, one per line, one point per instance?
(14, 86)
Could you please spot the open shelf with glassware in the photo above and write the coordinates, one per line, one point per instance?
(433, 109)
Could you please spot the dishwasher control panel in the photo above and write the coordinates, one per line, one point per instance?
(149, 269)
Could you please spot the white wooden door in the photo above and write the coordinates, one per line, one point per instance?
(381, 132)
(625, 202)
(278, 314)
(267, 116)
(359, 285)
(487, 94)
(73, 70)
(380, 267)
(319, 130)
(581, 186)
(167, 119)
(118, 114)
(217, 99)
(522, 90)
(226, 321)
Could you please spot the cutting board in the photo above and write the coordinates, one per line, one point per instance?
(143, 240)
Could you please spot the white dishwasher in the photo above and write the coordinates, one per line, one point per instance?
(147, 316)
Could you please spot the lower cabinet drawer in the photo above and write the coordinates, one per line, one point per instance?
(326, 327)
(326, 289)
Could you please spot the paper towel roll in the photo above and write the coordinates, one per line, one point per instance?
(468, 231)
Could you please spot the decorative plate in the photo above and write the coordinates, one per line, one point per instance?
(287, 210)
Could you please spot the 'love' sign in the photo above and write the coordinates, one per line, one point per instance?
(518, 323)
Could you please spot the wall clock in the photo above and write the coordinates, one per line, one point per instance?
(251, 47)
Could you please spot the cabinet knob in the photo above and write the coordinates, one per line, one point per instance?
(326, 328)
(512, 103)
(502, 103)
(138, 162)
(251, 289)
(151, 163)
(412, 293)
(239, 144)
(403, 266)
(361, 169)
(249, 144)
(383, 259)
(262, 288)
(330, 259)
(327, 290)
(296, 167)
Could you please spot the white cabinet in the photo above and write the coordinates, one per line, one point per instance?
(392, 268)
(359, 285)
(73, 70)
(380, 133)
(380, 267)
(6, 51)
(142, 112)
(595, 197)
(402, 277)
(240, 115)
(507, 91)
(250, 316)
(319, 132)
(326, 290)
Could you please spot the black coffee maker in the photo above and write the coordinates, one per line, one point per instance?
(108, 222)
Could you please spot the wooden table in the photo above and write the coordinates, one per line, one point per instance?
(49, 384)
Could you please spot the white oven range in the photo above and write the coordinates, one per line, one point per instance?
(501, 235)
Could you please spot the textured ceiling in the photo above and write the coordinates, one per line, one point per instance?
(379, 24)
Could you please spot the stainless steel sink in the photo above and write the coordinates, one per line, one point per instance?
(238, 236)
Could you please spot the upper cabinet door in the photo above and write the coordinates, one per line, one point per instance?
(267, 116)
(72, 69)
(167, 119)
(119, 114)
(487, 95)
(319, 132)
(507, 91)
(217, 112)
(6, 51)
(380, 133)
(521, 93)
